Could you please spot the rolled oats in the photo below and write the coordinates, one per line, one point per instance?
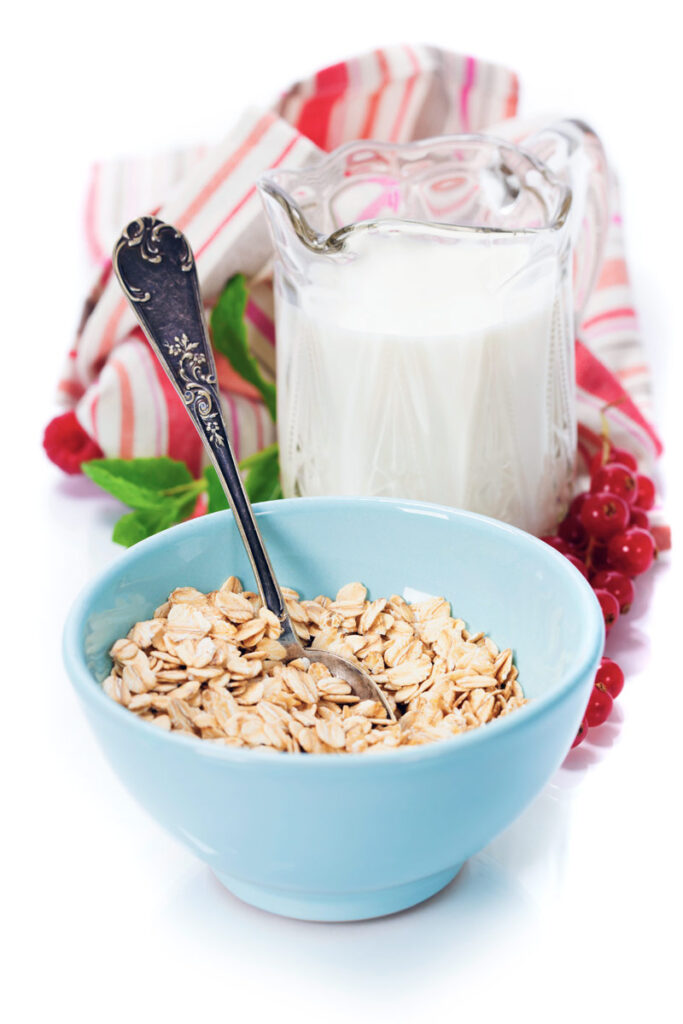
(211, 666)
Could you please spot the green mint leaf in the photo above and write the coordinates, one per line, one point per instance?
(230, 338)
(263, 474)
(216, 495)
(140, 483)
(145, 522)
(262, 479)
(135, 526)
(265, 453)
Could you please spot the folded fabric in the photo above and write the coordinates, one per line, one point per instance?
(121, 397)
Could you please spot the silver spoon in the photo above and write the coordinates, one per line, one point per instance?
(155, 267)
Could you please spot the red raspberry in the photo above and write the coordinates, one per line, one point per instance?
(67, 444)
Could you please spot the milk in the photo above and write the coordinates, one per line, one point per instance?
(413, 367)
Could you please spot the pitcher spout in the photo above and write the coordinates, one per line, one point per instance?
(289, 225)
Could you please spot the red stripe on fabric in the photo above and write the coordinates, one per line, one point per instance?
(245, 199)
(314, 120)
(71, 388)
(611, 314)
(513, 98)
(226, 220)
(96, 253)
(224, 171)
(613, 273)
(588, 434)
(147, 358)
(407, 93)
(93, 413)
(263, 324)
(230, 380)
(632, 371)
(460, 201)
(109, 333)
(588, 443)
(373, 101)
(127, 410)
(257, 407)
(584, 454)
(594, 377)
(465, 92)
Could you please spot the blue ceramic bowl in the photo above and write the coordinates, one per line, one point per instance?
(325, 837)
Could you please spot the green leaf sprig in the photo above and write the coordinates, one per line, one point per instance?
(229, 336)
(162, 491)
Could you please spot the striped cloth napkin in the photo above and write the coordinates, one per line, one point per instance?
(121, 398)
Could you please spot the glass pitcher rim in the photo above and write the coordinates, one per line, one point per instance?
(269, 182)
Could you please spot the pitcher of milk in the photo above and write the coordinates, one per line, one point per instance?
(425, 320)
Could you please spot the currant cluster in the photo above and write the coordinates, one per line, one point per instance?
(606, 536)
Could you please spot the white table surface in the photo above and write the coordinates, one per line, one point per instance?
(574, 912)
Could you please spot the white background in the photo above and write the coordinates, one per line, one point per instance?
(573, 913)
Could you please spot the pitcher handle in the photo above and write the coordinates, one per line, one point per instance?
(574, 153)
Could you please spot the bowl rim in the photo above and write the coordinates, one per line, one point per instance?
(90, 690)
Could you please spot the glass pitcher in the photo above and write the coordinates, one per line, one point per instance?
(425, 323)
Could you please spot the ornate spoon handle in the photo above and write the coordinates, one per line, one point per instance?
(155, 267)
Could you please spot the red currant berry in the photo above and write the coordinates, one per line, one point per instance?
(639, 518)
(616, 479)
(614, 455)
(631, 551)
(599, 707)
(559, 544)
(618, 584)
(610, 607)
(609, 678)
(645, 492)
(578, 564)
(571, 530)
(604, 514)
(577, 504)
(581, 734)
